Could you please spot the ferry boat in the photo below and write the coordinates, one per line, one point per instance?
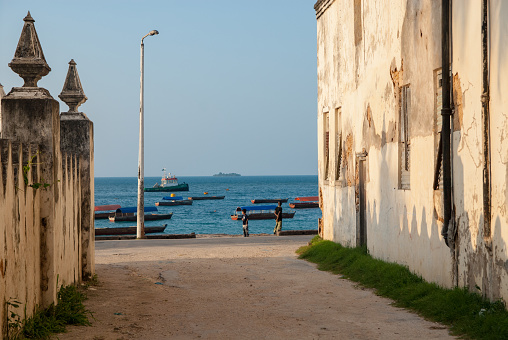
(168, 183)
(260, 212)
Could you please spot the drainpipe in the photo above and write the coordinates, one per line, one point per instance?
(446, 114)
(486, 121)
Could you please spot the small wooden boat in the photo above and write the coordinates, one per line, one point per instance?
(173, 200)
(202, 198)
(168, 183)
(129, 214)
(308, 198)
(304, 205)
(129, 230)
(274, 200)
(109, 208)
(260, 212)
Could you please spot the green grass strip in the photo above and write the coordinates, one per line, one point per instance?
(468, 314)
(44, 323)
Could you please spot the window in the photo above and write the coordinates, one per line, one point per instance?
(338, 144)
(438, 105)
(326, 143)
(405, 141)
(438, 100)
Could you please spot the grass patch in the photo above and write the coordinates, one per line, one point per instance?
(468, 314)
(43, 323)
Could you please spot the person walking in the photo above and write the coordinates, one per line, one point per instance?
(245, 223)
(278, 219)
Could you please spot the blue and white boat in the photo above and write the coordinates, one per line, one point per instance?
(260, 212)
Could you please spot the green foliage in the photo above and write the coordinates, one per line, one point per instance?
(26, 170)
(14, 322)
(68, 311)
(468, 314)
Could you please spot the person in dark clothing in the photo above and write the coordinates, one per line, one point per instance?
(245, 223)
(278, 219)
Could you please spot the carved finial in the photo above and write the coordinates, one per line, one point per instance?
(29, 17)
(29, 62)
(72, 92)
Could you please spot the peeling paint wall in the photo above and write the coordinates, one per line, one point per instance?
(400, 46)
(482, 259)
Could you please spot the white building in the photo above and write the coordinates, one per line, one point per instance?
(379, 127)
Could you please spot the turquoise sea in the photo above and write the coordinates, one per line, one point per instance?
(213, 216)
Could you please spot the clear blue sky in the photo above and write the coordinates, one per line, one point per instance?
(229, 85)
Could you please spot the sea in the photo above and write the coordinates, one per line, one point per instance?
(213, 216)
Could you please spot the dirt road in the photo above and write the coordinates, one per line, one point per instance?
(233, 288)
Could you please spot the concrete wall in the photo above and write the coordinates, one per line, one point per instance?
(367, 51)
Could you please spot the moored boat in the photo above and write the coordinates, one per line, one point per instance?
(202, 198)
(303, 205)
(129, 214)
(260, 212)
(129, 230)
(110, 211)
(307, 199)
(173, 200)
(271, 200)
(168, 183)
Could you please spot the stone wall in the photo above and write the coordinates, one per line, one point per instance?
(46, 188)
(377, 60)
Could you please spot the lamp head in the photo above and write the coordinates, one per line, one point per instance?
(154, 32)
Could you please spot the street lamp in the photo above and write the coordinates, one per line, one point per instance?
(140, 231)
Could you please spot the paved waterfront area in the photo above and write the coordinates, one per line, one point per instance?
(234, 288)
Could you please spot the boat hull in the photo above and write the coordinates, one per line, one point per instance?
(148, 217)
(202, 198)
(304, 205)
(275, 200)
(179, 187)
(262, 216)
(103, 216)
(173, 203)
(128, 230)
(307, 199)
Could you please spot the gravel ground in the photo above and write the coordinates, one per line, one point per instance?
(233, 288)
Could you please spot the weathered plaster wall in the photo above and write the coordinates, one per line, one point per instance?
(25, 274)
(19, 231)
(482, 259)
(40, 228)
(361, 74)
(399, 46)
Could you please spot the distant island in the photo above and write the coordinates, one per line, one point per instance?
(232, 174)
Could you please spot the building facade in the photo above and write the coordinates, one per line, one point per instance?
(380, 158)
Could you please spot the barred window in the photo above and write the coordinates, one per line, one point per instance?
(405, 141)
(326, 144)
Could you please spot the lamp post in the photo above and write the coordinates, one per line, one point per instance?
(140, 231)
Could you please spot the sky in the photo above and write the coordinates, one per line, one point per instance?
(230, 86)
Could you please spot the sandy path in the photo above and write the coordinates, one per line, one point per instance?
(233, 288)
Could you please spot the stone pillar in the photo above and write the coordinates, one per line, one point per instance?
(76, 138)
(2, 94)
(31, 115)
